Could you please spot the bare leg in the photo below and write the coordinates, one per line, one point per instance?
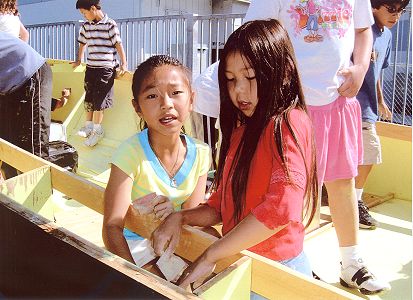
(344, 211)
(89, 115)
(363, 173)
(98, 117)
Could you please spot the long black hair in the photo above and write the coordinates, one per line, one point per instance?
(265, 45)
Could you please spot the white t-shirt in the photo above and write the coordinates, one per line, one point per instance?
(10, 24)
(322, 34)
(206, 89)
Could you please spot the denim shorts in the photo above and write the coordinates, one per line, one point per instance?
(300, 263)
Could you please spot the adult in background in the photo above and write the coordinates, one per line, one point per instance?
(25, 98)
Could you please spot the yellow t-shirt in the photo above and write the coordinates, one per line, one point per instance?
(136, 158)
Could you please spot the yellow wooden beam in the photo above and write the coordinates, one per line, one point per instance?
(394, 131)
(232, 283)
(275, 281)
(155, 283)
(268, 278)
(193, 242)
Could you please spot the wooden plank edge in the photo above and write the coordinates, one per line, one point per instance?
(193, 241)
(140, 275)
(276, 281)
(218, 277)
(323, 228)
(372, 200)
(394, 131)
(192, 244)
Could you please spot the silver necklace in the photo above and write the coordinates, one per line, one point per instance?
(171, 174)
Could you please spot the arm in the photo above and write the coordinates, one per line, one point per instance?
(246, 234)
(116, 205)
(122, 55)
(384, 111)
(23, 34)
(354, 75)
(198, 195)
(79, 55)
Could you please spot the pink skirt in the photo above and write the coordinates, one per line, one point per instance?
(338, 138)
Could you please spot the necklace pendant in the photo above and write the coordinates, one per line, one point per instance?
(173, 183)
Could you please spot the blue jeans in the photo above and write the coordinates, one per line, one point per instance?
(299, 263)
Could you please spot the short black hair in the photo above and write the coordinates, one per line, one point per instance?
(87, 4)
(378, 3)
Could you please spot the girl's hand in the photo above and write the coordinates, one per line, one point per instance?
(197, 272)
(163, 207)
(165, 238)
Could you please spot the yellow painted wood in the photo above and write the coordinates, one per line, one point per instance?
(232, 283)
(394, 175)
(275, 281)
(32, 190)
(64, 76)
(394, 131)
(156, 283)
(193, 242)
(270, 279)
(387, 251)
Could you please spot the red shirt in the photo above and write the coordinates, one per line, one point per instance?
(271, 197)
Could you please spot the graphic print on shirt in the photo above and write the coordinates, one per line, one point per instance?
(316, 20)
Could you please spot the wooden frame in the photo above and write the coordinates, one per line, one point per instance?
(394, 131)
(268, 278)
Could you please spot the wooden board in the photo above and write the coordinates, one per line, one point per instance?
(268, 278)
(40, 260)
(232, 283)
(33, 190)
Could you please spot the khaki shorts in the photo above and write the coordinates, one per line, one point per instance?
(371, 144)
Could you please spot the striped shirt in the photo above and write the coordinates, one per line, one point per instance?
(100, 38)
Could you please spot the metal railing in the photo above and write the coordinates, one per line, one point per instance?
(56, 41)
(397, 78)
(197, 41)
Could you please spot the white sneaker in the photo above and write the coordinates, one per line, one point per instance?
(85, 131)
(94, 138)
(359, 277)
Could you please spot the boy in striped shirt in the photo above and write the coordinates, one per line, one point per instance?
(101, 35)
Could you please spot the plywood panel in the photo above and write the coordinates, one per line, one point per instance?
(33, 190)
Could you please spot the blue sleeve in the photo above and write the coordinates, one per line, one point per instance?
(388, 54)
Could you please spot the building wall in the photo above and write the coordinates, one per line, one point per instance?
(40, 12)
(229, 6)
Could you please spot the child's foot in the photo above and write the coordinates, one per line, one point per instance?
(359, 277)
(366, 221)
(85, 131)
(95, 137)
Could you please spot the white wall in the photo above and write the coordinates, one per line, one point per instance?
(65, 10)
(229, 6)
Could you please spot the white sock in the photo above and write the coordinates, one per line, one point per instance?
(349, 255)
(359, 193)
(97, 127)
(88, 123)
